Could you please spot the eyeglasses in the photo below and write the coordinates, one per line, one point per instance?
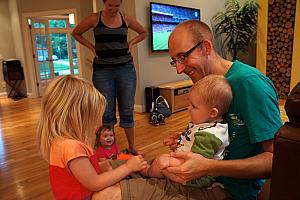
(183, 56)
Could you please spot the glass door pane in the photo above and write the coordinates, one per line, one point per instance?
(74, 55)
(42, 51)
(57, 23)
(54, 48)
(60, 55)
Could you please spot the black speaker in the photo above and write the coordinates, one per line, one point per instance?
(12, 70)
(13, 76)
(151, 94)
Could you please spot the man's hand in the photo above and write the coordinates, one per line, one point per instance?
(193, 167)
(173, 177)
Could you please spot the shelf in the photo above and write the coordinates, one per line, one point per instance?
(176, 93)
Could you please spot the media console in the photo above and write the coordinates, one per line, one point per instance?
(176, 93)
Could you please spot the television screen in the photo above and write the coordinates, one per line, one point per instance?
(164, 18)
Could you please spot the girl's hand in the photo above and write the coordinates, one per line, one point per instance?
(136, 163)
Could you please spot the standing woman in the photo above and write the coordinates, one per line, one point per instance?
(113, 70)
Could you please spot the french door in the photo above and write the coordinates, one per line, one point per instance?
(55, 52)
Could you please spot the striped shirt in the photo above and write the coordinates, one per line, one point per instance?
(111, 45)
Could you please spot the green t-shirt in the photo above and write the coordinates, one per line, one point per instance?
(253, 117)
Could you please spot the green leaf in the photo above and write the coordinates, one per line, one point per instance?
(237, 24)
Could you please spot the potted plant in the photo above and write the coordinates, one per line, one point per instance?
(237, 25)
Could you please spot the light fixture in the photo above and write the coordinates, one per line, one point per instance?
(71, 18)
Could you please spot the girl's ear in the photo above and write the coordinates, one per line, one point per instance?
(214, 112)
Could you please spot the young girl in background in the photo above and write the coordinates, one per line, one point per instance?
(106, 147)
(71, 113)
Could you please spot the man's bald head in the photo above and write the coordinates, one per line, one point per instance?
(198, 30)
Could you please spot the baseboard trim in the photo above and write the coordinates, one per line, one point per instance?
(3, 94)
(139, 108)
(30, 95)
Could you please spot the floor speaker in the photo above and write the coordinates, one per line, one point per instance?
(151, 94)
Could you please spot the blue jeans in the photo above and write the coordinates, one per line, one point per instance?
(117, 82)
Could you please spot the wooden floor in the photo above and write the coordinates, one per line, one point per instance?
(24, 175)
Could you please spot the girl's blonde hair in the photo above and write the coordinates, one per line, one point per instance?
(71, 108)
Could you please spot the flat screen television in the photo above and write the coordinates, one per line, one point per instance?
(164, 18)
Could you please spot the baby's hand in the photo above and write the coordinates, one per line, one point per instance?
(136, 163)
(172, 140)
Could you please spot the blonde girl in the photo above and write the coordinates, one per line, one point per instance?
(71, 113)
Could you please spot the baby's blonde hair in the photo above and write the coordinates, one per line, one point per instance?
(71, 108)
(214, 91)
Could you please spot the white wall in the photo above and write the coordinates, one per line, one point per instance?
(154, 68)
(16, 29)
(6, 40)
(17, 38)
(7, 49)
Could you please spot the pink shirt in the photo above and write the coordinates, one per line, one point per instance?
(111, 153)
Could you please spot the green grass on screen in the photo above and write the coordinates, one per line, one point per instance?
(160, 40)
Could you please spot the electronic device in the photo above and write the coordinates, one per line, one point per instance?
(164, 18)
(13, 75)
(183, 90)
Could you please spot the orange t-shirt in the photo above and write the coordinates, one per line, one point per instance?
(64, 184)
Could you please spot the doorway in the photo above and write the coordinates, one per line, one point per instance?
(54, 49)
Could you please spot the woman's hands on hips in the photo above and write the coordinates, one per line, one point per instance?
(130, 47)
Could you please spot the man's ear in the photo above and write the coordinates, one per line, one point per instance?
(207, 46)
(213, 112)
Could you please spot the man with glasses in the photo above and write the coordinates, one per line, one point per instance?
(253, 117)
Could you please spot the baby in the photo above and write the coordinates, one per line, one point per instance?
(207, 133)
(106, 147)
